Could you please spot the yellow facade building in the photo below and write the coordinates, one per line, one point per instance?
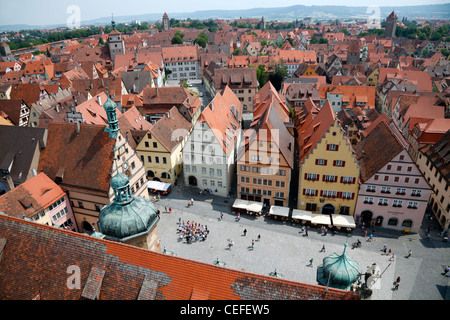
(161, 147)
(329, 171)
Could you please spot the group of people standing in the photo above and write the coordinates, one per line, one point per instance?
(192, 231)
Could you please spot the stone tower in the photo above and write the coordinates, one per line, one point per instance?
(165, 21)
(353, 53)
(391, 23)
(116, 44)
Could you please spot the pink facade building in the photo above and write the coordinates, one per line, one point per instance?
(39, 199)
(393, 193)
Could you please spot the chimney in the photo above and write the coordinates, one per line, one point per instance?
(99, 100)
(77, 127)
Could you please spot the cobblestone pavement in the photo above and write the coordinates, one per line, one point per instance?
(285, 248)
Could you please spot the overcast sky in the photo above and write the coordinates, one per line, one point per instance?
(47, 12)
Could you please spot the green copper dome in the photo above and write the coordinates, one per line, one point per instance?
(109, 105)
(126, 216)
(119, 181)
(338, 271)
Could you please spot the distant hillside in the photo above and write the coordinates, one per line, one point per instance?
(436, 11)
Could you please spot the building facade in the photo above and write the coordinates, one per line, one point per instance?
(393, 192)
(209, 155)
(329, 175)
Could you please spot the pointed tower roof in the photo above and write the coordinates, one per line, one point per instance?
(392, 15)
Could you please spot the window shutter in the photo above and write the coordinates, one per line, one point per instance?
(328, 147)
(306, 175)
(321, 193)
(335, 178)
(315, 193)
(317, 177)
(325, 163)
(353, 195)
(317, 162)
(339, 195)
(304, 191)
(337, 148)
(334, 163)
(343, 163)
(353, 180)
(323, 178)
(342, 179)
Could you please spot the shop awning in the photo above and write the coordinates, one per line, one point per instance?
(254, 206)
(157, 185)
(301, 215)
(321, 219)
(279, 211)
(240, 204)
(340, 220)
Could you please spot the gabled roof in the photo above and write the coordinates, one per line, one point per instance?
(127, 272)
(223, 122)
(85, 157)
(310, 132)
(21, 143)
(171, 129)
(378, 148)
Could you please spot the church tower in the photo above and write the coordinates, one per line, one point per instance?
(165, 21)
(391, 24)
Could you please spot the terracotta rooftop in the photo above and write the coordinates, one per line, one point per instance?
(379, 147)
(31, 197)
(85, 158)
(171, 129)
(115, 271)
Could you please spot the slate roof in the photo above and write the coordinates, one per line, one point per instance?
(115, 271)
(23, 149)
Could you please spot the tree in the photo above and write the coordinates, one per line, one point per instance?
(279, 73)
(178, 38)
(262, 75)
(202, 39)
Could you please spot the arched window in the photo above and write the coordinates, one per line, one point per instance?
(165, 175)
(407, 223)
(392, 222)
(150, 174)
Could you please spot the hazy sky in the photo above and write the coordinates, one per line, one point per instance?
(44, 12)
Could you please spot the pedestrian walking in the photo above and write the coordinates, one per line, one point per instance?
(165, 209)
(253, 244)
(409, 253)
(306, 232)
(170, 209)
(221, 215)
(192, 202)
(392, 258)
(390, 251)
(259, 237)
(397, 283)
(310, 263)
(323, 249)
(446, 270)
(245, 232)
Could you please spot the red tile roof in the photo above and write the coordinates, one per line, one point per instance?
(86, 157)
(126, 272)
